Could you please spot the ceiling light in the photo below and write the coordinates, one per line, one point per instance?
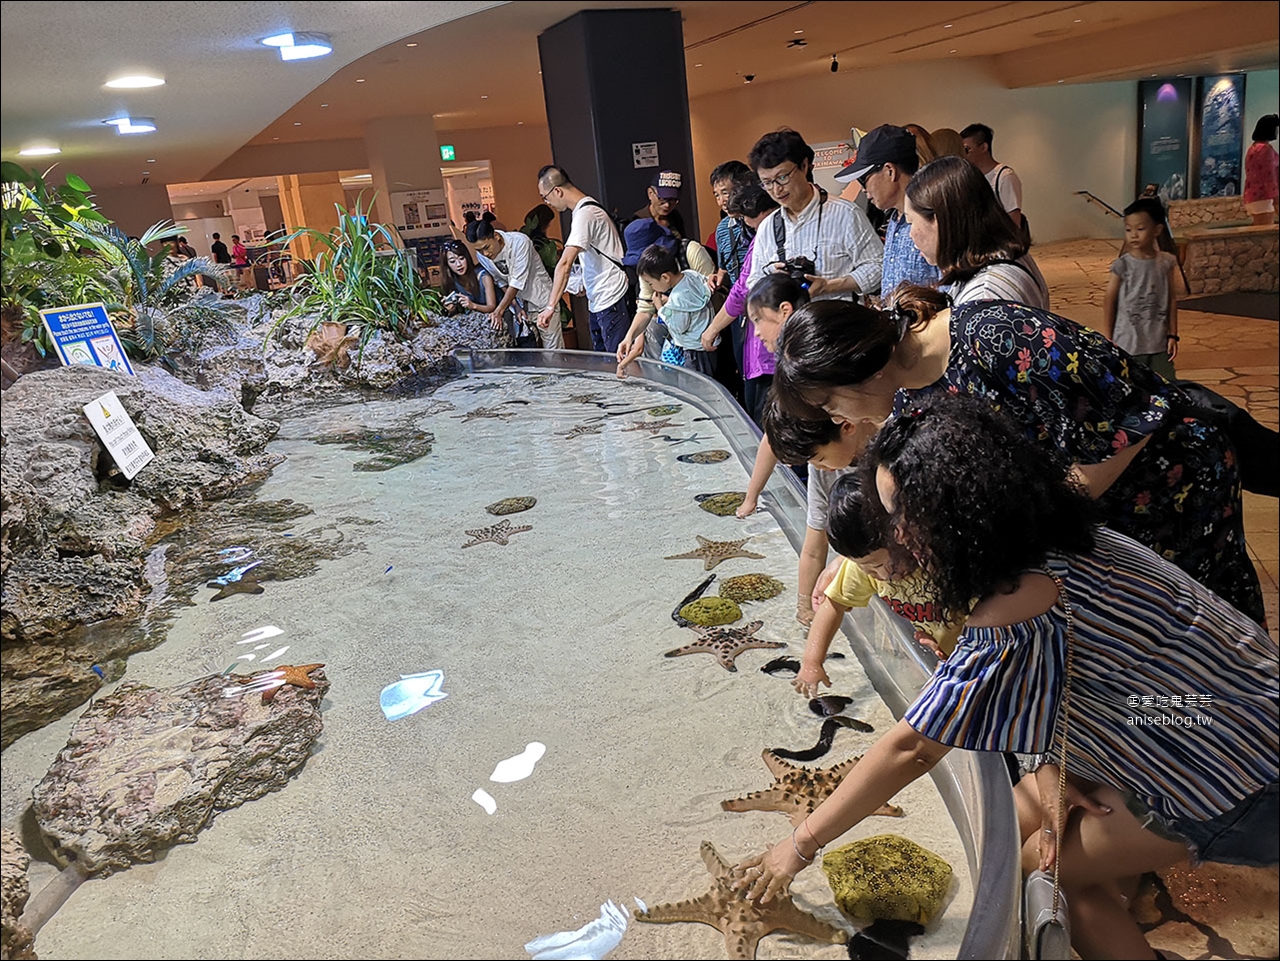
(697, 65)
(947, 26)
(359, 79)
(797, 31)
(297, 123)
(133, 124)
(324, 105)
(135, 82)
(1077, 21)
(39, 151)
(152, 160)
(484, 96)
(410, 44)
(952, 50)
(300, 46)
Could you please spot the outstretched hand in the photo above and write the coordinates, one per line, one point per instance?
(767, 876)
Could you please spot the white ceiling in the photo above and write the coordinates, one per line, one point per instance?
(475, 64)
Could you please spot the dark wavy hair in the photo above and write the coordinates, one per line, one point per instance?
(829, 344)
(977, 503)
(974, 231)
(794, 440)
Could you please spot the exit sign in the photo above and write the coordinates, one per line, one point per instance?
(446, 151)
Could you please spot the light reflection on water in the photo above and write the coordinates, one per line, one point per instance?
(377, 848)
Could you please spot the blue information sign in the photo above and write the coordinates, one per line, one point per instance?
(83, 334)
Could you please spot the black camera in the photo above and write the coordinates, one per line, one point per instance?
(800, 269)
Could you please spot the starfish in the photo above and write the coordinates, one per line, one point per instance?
(713, 552)
(797, 790)
(486, 412)
(582, 430)
(247, 584)
(726, 643)
(652, 426)
(498, 533)
(438, 407)
(742, 922)
(583, 399)
(288, 674)
(332, 344)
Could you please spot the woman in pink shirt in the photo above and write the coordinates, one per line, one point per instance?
(1262, 173)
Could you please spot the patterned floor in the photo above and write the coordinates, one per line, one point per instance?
(1214, 911)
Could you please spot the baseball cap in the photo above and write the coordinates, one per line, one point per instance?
(639, 235)
(885, 144)
(668, 184)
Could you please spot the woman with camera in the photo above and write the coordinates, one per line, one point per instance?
(1161, 476)
(468, 286)
(960, 227)
(1081, 644)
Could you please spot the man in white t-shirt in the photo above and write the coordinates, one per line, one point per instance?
(1003, 179)
(515, 263)
(593, 237)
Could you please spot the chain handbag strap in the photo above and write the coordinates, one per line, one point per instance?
(1059, 814)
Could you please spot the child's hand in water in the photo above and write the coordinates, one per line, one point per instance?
(927, 642)
(809, 678)
(747, 507)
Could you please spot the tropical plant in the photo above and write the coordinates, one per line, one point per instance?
(360, 279)
(159, 309)
(40, 248)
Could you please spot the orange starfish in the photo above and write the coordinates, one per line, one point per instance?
(297, 676)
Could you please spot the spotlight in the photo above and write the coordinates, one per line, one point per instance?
(747, 78)
(835, 64)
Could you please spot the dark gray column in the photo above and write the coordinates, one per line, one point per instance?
(614, 78)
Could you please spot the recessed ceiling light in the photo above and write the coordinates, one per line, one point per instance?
(152, 160)
(410, 44)
(145, 172)
(300, 46)
(135, 82)
(484, 96)
(1061, 81)
(133, 124)
(519, 123)
(324, 105)
(39, 151)
(952, 50)
(1077, 21)
(697, 65)
(947, 26)
(360, 80)
(797, 31)
(297, 123)
(275, 138)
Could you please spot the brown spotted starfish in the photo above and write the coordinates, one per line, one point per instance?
(742, 922)
(498, 533)
(797, 791)
(726, 643)
(713, 552)
(582, 430)
(288, 674)
(487, 412)
(652, 426)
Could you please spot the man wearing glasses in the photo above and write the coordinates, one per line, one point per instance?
(832, 233)
(885, 164)
(1003, 179)
(594, 238)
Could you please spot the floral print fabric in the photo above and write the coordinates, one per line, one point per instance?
(1070, 387)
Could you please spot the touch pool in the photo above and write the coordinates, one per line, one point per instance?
(546, 636)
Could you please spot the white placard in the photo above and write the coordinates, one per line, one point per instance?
(645, 154)
(119, 434)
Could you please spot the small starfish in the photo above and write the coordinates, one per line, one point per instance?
(681, 440)
(582, 430)
(498, 533)
(491, 385)
(713, 552)
(742, 922)
(438, 407)
(249, 584)
(797, 790)
(583, 399)
(288, 674)
(653, 426)
(486, 412)
(726, 643)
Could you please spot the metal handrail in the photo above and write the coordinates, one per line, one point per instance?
(1092, 198)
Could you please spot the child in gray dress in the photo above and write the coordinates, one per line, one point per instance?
(1141, 310)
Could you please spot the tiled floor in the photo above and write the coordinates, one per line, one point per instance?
(1213, 911)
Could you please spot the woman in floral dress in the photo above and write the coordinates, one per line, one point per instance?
(1161, 476)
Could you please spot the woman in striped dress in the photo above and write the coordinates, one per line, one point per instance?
(1170, 717)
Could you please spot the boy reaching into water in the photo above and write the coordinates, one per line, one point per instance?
(1141, 310)
(683, 301)
(870, 568)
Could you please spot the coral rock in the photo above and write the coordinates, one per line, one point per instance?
(751, 587)
(887, 877)
(15, 940)
(711, 611)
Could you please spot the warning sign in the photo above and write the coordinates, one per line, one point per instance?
(119, 434)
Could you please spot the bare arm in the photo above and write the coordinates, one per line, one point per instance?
(760, 473)
(559, 282)
(718, 323)
(491, 303)
(813, 558)
(1097, 478)
(1109, 305)
(826, 621)
(1173, 314)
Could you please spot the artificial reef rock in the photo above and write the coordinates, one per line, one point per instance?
(149, 767)
(887, 877)
(15, 939)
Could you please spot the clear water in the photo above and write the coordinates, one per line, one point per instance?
(376, 848)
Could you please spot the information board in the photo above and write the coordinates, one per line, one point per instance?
(83, 335)
(119, 434)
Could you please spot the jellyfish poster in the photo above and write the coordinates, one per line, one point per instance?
(1164, 144)
(1221, 135)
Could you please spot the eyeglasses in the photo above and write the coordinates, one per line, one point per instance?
(548, 194)
(779, 181)
(862, 181)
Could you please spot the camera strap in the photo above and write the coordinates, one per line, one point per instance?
(780, 228)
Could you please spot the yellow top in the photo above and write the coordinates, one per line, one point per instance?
(908, 597)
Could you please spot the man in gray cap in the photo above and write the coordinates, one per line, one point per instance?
(884, 165)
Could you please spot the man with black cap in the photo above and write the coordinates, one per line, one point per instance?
(884, 165)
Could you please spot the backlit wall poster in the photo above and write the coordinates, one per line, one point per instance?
(1221, 104)
(1164, 153)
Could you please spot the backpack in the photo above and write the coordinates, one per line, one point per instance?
(1026, 224)
(577, 283)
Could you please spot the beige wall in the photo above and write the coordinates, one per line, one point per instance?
(514, 155)
(134, 209)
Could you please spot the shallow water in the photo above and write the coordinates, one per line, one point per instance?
(376, 848)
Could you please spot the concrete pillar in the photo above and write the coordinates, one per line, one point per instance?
(612, 79)
(404, 154)
(307, 200)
